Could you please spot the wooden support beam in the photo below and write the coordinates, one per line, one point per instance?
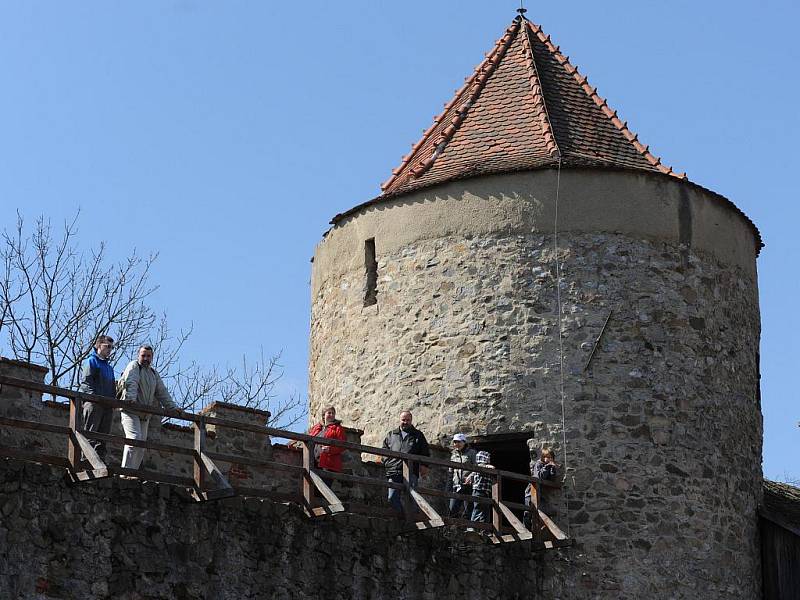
(334, 504)
(223, 489)
(99, 468)
(552, 527)
(215, 473)
(520, 531)
(434, 520)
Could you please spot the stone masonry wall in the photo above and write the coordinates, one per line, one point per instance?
(132, 540)
(663, 432)
(124, 540)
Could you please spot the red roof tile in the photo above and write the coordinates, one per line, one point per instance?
(525, 107)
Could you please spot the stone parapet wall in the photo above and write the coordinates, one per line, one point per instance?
(123, 540)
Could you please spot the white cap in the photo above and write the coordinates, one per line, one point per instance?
(460, 437)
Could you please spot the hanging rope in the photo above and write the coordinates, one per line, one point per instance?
(560, 338)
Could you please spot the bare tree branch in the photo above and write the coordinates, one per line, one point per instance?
(55, 300)
(251, 384)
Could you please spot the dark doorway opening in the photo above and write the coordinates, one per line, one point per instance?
(509, 453)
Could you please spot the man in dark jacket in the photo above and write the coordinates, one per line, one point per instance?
(97, 377)
(410, 440)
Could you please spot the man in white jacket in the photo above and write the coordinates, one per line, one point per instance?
(142, 384)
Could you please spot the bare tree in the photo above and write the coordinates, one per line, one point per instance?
(55, 300)
(251, 384)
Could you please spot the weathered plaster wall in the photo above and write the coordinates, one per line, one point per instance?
(636, 204)
(663, 432)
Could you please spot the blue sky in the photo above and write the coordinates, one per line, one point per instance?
(226, 135)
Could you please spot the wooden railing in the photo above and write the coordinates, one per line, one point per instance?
(315, 495)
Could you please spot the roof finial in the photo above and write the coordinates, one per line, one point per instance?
(522, 10)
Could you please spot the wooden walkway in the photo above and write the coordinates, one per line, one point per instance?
(312, 493)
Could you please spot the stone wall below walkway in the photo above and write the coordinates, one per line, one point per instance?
(126, 540)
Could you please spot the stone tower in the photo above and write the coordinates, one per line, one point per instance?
(527, 221)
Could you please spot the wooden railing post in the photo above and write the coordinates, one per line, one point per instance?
(405, 498)
(308, 484)
(204, 468)
(76, 426)
(536, 495)
(497, 519)
(199, 449)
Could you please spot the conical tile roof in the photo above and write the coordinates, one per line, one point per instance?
(525, 107)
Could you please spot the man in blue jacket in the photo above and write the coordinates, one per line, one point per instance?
(97, 377)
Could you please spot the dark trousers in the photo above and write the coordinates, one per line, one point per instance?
(481, 512)
(395, 495)
(527, 516)
(97, 418)
(461, 508)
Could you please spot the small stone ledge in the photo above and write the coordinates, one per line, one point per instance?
(216, 406)
(185, 429)
(12, 362)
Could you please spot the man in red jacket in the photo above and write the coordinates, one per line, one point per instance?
(328, 458)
